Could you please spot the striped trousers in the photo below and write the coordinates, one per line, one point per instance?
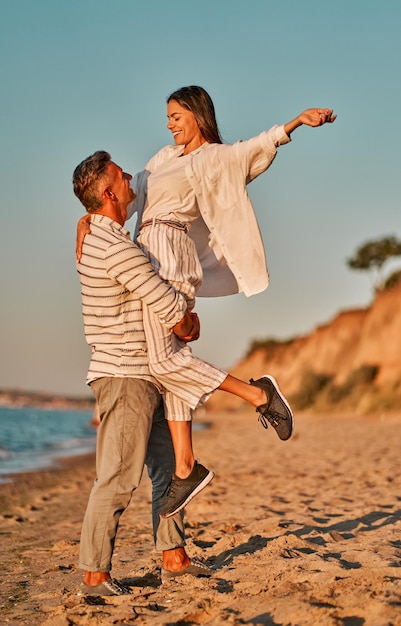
(187, 380)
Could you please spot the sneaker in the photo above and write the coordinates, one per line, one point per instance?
(195, 568)
(182, 490)
(110, 587)
(277, 410)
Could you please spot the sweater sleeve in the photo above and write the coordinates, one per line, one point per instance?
(127, 264)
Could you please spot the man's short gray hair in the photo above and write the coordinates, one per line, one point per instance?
(86, 178)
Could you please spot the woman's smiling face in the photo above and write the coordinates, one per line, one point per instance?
(183, 125)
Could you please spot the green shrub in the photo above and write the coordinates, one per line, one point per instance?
(363, 375)
(392, 280)
(319, 390)
(269, 345)
(312, 384)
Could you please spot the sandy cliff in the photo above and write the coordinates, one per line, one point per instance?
(345, 345)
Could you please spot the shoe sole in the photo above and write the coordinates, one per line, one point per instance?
(193, 493)
(277, 388)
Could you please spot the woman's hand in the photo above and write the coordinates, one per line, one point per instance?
(317, 117)
(83, 229)
(311, 117)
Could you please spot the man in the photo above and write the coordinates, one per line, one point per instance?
(115, 278)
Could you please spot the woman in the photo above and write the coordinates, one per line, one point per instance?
(198, 188)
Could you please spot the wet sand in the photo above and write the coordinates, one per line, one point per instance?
(301, 533)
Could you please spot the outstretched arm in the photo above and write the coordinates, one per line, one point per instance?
(310, 117)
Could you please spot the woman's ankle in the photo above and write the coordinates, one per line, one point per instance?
(184, 469)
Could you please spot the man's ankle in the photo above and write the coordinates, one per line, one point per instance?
(95, 578)
(175, 560)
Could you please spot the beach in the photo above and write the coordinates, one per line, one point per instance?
(300, 533)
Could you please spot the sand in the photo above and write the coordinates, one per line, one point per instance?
(301, 533)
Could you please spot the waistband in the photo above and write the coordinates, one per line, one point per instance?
(170, 223)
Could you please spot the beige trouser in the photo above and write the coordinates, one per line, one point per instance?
(132, 432)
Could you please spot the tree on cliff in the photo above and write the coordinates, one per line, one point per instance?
(373, 255)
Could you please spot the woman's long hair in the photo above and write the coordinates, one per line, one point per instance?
(198, 101)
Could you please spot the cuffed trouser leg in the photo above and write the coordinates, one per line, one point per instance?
(168, 533)
(126, 409)
(173, 255)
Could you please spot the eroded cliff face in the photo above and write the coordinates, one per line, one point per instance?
(353, 339)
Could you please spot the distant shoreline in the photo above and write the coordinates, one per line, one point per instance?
(16, 398)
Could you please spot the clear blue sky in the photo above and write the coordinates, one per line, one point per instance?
(83, 75)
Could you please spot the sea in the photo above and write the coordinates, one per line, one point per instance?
(33, 439)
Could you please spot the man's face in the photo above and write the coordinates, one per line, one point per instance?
(120, 184)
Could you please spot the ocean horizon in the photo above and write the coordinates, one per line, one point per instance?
(32, 439)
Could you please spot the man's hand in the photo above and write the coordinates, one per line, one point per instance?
(83, 228)
(188, 329)
(194, 333)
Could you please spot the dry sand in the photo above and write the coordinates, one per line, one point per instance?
(302, 533)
